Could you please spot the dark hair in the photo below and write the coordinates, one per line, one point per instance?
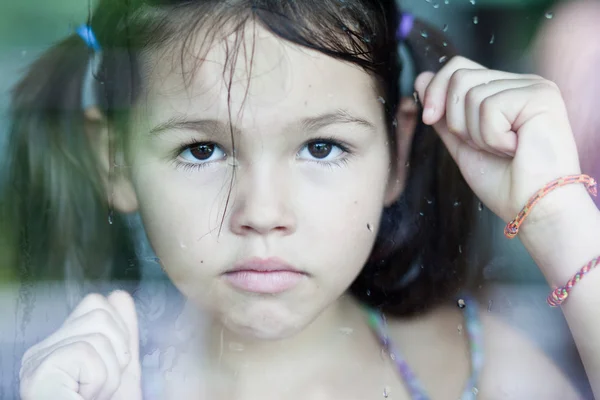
(57, 205)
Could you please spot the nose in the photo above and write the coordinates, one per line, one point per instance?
(262, 203)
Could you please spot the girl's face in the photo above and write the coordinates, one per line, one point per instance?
(299, 192)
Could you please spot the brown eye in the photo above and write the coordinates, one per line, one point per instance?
(203, 151)
(320, 149)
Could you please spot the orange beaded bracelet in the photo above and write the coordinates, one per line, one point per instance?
(512, 228)
(558, 295)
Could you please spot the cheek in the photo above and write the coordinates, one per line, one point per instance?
(181, 216)
(341, 223)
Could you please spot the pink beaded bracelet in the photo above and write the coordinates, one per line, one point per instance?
(559, 295)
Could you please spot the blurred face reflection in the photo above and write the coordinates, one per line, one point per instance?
(264, 223)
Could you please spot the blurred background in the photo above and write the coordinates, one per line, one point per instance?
(501, 34)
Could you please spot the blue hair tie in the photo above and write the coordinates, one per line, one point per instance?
(405, 27)
(89, 85)
(87, 34)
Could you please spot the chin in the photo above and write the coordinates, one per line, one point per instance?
(265, 320)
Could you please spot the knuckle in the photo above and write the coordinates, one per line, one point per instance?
(102, 317)
(548, 86)
(533, 77)
(487, 107)
(84, 349)
(457, 60)
(473, 97)
(552, 85)
(93, 298)
(458, 77)
(453, 126)
(100, 340)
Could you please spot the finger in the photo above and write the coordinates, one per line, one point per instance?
(459, 73)
(421, 83)
(91, 302)
(123, 304)
(498, 139)
(111, 378)
(130, 388)
(434, 96)
(75, 368)
(521, 108)
(462, 82)
(98, 321)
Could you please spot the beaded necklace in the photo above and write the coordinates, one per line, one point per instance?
(470, 308)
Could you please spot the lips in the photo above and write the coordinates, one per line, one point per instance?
(264, 276)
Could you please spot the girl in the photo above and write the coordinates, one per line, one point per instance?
(292, 198)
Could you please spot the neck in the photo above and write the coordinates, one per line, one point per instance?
(339, 333)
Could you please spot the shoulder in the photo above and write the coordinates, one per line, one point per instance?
(515, 368)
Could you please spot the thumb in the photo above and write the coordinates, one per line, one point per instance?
(131, 385)
(421, 84)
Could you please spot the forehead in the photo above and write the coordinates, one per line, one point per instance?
(253, 75)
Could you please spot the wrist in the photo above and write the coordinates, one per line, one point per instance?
(559, 209)
(562, 233)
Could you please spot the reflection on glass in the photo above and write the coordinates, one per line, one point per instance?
(241, 199)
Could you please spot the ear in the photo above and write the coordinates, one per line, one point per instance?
(407, 116)
(120, 193)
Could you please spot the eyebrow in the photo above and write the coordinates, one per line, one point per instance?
(180, 122)
(339, 116)
(310, 124)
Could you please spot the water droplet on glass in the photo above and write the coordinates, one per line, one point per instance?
(475, 390)
(421, 214)
(456, 203)
(549, 15)
(407, 164)
(446, 2)
(369, 227)
(461, 303)
(424, 34)
(429, 201)
(436, 5)
(395, 123)
(368, 292)
(386, 392)
(480, 206)
(476, 20)
(392, 356)
(443, 59)
(445, 28)
(460, 329)
(460, 249)
(492, 39)
(110, 217)
(490, 303)
(233, 346)
(347, 330)
(381, 100)
(473, 2)
(455, 99)
(481, 170)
